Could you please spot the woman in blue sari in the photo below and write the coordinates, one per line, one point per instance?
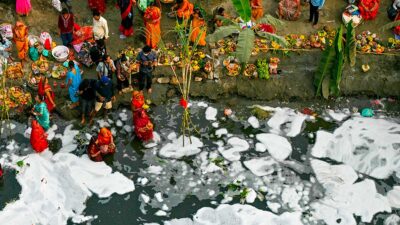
(41, 113)
(73, 80)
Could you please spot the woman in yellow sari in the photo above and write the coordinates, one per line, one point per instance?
(20, 37)
(152, 17)
(199, 29)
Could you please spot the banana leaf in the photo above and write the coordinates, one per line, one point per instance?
(272, 20)
(226, 21)
(390, 25)
(245, 45)
(351, 44)
(339, 39)
(324, 67)
(222, 32)
(337, 74)
(273, 37)
(243, 9)
(325, 87)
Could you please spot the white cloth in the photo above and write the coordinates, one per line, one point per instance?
(100, 28)
(396, 4)
(103, 70)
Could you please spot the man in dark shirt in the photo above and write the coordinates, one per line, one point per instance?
(66, 27)
(147, 61)
(104, 96)
(98, 51)
(87, 93)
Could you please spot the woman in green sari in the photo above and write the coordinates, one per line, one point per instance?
(41, 113)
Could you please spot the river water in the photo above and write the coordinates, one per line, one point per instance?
(335, 168)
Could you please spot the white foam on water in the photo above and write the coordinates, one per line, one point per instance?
(251, 196)
(343, 197)
(51, 132)
(154, 142)
(261, 166)
(393, 197)
(278, 146)
(145, 198)
(202, 104)
(127, 128)
(215, 124)
(103, 123)
(238, 215)
(369, 145)
(159, 197)
(286, 121)
(160, 213)
(253, 121)
(220, 132)
(392, 220)
(177, 149)
(119, 123)
(234, 146)
(154, 169)
(211, 113)
(55, 188)
(338, 115)
(67, 139)
(291, 197)
(123, 116)
(260, 147)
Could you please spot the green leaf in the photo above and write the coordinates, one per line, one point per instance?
(243, 9)
(339, 40)
(324, 67)
(20, 163)
(337, 74)
(390, 25)
(351, 44)
(325, 87)
(271, 20)
(222, 32)
(273, 37)
(245, 45)
(226, 21)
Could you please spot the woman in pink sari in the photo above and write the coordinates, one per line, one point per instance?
(23, 7)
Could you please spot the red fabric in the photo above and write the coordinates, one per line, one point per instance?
(92, 150)
(76, 27)
(143, 125)
(137, 100)
(83, 34)
(396, 30)
(99, 5)
(67, 27)
(368, 9)
(307, 111)
(104, 137)
(42, 88)
(47, 44)
(1, 172)
(267, 28)
(38, 137)
(183, 103)
(126, 32)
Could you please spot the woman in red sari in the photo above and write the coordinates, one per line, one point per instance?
(99, 5)
(141, 121)
(103, 145)
(369, 9)
(38, 137)
(44, 89)
(126, 27)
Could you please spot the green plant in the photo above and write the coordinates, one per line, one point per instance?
(329, 73)
(246, 35)
(263, 69)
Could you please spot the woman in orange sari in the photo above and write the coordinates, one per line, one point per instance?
(257, 10)
(199, 29)
(183, 8)
(20, 37)
(44, 89)
(141, 121)
(152, 17)
(103, 145)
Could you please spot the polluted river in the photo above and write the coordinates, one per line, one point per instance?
(261, 165)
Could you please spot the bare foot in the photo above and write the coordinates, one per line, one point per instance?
(315, 26)
(83, 121)
(149, 91)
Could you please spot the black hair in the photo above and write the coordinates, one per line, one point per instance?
(105, 57)
(2, 39)
(198, 11)
(64, 11)
(123, 58)
(146, 49)
(71, 64)
(96, 13)
(179, 1)
(220, 11)
(41, 97)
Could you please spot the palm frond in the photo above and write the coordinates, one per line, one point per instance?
(222, 32)
(390, 25)
(243, 8)
(351, 44)
(245, 45)
(324, 68)
(272, 20)
(273, 37)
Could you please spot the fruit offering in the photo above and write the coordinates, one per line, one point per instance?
(250, 71)
(14, 70)
(369, 42)
(14, 97)
(263, 69)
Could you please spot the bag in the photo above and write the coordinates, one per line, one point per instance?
(45, 39)
(56, 4)
(6, 30)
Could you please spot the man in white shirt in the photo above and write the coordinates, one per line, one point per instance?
(100, 27)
